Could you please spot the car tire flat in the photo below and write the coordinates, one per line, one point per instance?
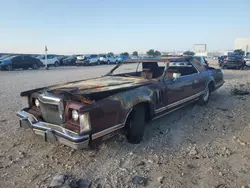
(136, 125)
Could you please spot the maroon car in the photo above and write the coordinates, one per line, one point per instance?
(85, 112)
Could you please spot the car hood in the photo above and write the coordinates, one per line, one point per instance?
(102, 84)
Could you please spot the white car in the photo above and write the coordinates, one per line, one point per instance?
(51, 60)
(108, 59)
(92, 59)
(247, 60)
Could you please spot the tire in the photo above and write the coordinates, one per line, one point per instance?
(224, 66)
(98, 62)
(203, 100)
(242, 66)
(35, 66)
(116, 62)
(9, 68)
(56, 64)
(108, 62)
(136, 125)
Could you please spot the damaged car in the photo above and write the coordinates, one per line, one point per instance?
(85, 112)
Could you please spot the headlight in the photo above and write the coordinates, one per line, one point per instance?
(37, 103)
(84, 122)
(75, 115)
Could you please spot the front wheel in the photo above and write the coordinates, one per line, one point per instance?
(98, 62)
(56, 64)
(204, 98)
(136, 125)
(9, 68)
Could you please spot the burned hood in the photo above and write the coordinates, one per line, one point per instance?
(96, 85)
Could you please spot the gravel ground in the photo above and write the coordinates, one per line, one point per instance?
(192, 147)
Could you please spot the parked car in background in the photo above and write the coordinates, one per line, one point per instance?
(61, 58)
(92, 59)
(221, 59)
(122, 58)
(20, 61)
(232, 61)
(108, 59)
(52, 60)
(247, 60)
(86, 112)
(71, 60)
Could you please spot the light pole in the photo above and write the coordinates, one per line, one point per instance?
(46, 59)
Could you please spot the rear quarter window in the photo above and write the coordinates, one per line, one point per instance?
(198, 64)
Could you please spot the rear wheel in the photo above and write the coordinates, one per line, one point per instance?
(35, 66)
(98, 62)
(204, 98)
(56, 64)
(136, 125)
(108, 62)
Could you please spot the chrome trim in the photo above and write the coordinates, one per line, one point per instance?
(219, 84)
(62, 134)
(159, 110)
(111, 129)
(168, 112)
(47, 98)
(107, 131)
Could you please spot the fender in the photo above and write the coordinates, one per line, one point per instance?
(130, 98)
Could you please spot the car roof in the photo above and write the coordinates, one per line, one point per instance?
(156, 60)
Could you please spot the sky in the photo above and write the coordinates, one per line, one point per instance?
(102, 26)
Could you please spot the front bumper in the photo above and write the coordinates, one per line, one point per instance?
(53, 133)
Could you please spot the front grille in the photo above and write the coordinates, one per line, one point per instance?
(52, 109)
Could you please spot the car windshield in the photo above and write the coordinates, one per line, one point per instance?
(4, 57)
(9, 58)
(102, 55)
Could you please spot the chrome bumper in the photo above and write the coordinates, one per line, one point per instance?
(53, 133)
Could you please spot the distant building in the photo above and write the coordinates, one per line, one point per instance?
(214, 54)
(243, 44)
(200, 49)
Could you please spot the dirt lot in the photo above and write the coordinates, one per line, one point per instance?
(192, 147)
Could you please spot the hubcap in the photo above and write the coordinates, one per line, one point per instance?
(206, 94)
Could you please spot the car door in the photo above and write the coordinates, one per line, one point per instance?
(199, 80)
(27, 63)
(17, 62)
(177, 90)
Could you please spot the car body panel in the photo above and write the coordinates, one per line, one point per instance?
(110, 99)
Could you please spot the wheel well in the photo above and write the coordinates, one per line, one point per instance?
(211, 86)
(148, 115)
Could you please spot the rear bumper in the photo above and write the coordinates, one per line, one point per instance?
(218, 85)
(232, 64)
(53, 133)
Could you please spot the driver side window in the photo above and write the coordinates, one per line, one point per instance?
(180, 69)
